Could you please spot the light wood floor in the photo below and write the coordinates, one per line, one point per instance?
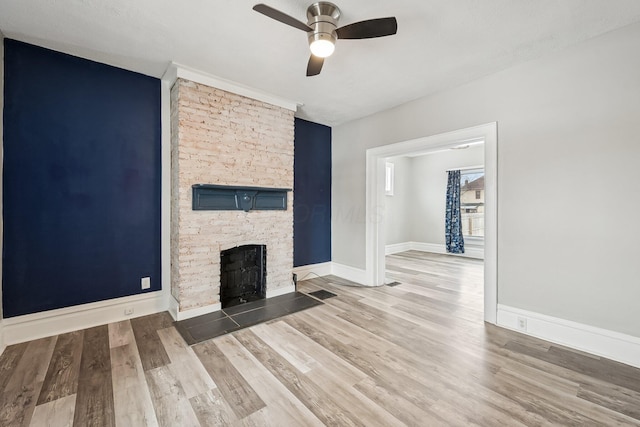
(413, 354)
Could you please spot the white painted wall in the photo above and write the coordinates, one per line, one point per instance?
(428, 173)
(568, 132)
(397, 221)
(415, 213)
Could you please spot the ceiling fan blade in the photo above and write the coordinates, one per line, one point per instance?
(314, 66)
(369, 29)
(282, 17)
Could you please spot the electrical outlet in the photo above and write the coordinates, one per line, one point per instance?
(128, 311)
(145, 282)
(522, 324)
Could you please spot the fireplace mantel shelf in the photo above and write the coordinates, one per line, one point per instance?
(230, 197)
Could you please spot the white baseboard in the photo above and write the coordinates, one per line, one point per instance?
(2, 344)
(18, 329)
(53, 322)
(469, 251)
(174, 310)
(428, 247)
(344, 271)
(601, 342)
(281, 291)
(29, 327)
(326, 268)
(200, 311)
(395, 248)
(350, 273)
(317, 270)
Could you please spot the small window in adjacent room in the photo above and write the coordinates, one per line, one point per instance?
(472, 202)
(388, 182)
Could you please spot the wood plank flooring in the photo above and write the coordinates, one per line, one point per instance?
(417, 353)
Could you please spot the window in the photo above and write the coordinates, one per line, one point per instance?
(472, 202)
(388, 182)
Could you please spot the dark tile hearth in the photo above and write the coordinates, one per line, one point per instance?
(322, 294)
(231, 319)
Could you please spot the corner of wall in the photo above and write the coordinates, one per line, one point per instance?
(1, 163)
(165, 200)
(171, 82)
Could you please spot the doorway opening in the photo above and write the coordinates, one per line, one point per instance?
(378, 187)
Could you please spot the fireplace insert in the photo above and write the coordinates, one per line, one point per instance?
(243, 274)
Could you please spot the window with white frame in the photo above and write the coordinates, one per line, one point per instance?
(472, 202)
(388, 181)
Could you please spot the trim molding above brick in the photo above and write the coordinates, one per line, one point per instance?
(175, 71)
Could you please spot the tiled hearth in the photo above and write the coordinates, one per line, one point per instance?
(238, 317)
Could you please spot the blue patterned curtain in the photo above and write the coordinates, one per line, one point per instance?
(453, 221)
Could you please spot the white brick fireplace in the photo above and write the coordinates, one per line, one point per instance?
(219, 137)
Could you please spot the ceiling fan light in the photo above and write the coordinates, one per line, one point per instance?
(322, 48)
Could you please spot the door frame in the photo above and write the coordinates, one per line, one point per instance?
(375, 202)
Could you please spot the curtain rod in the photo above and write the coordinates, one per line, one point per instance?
(465, 168)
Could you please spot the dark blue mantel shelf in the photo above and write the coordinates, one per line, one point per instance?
(209, 197)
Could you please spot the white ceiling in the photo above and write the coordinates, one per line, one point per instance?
(440, 43)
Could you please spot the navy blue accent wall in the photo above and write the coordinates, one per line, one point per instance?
(311, 193)
(81, 181)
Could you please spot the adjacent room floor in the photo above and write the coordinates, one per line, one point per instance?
(417, 353)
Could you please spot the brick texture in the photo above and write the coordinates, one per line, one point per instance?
(222, 138)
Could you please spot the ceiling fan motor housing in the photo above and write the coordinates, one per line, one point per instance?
(323, 18)
(323, 32)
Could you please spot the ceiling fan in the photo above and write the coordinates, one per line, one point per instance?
(322, 29)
